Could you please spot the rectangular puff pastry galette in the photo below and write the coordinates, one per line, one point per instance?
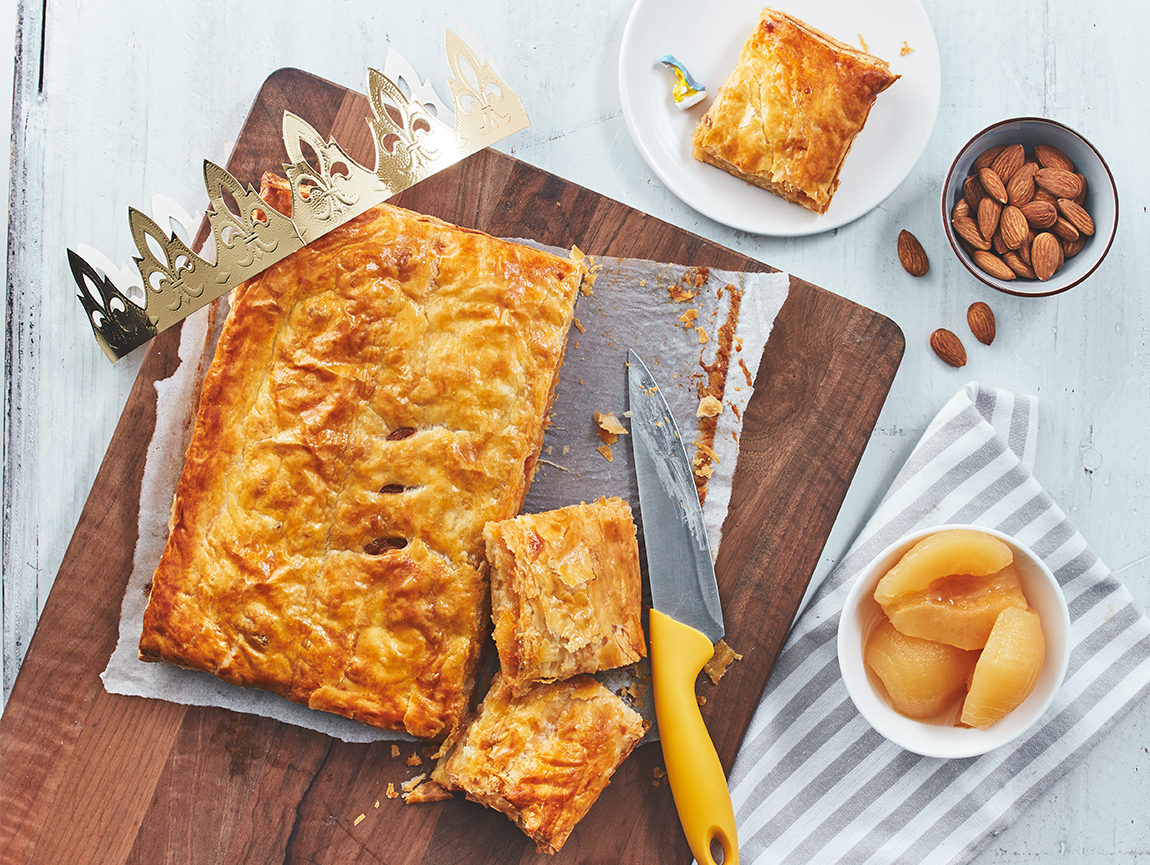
(788, 114)
(565, 592)
(543, 757)
(375, 399)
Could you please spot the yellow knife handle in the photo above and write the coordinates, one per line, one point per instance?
(698, 783)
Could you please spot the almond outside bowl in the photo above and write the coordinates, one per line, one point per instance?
(861, 611)
(1101, 199)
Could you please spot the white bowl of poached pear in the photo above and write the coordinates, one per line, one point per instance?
(954, 641)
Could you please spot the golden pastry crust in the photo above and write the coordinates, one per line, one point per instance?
(544, 757)
(375, 399)
(788, 114)
(565, 592)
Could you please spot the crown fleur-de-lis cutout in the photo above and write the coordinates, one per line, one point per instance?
(251, 232)
(331, 192)
(409, 141)
(172, 278)
(328, 189)
(485, 101)
(116, 319)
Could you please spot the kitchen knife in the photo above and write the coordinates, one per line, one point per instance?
(686, 619)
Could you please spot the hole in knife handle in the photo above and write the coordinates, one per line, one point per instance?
(718, 851)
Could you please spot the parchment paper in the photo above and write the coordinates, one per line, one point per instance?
(635, 304)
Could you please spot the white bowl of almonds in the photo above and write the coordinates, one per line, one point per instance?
(1030, 207)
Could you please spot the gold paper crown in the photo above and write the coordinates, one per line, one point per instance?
(249, 235)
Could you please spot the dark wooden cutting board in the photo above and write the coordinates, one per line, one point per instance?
(88, 777)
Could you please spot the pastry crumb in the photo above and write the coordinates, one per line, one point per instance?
(428, 791)
(708, 407)
(724, 656)
(411, 783)
(359, 819)
(609, 427)
(606, 451)
(414, 760)
(747, 373)
(862, 42)
(391, 793)
(679, 294)
(578, 325)
(905, 50)
(395, 750)
(688, 317)
(703, 337)
(706, 449)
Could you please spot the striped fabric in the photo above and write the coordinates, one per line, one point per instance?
(814, 783)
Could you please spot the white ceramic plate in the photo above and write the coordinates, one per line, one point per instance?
(707, 39)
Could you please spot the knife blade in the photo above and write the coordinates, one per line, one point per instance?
(686, 617)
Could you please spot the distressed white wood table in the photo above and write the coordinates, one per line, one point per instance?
(115, 101)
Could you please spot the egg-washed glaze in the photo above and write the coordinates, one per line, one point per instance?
(375, 399)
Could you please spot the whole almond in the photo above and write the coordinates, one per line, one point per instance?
(1052, 157)
(1014, 262)
(1058, 182)
(988, 213)
(980, 317)
(1008, 161)
(987, 157)
(992, 264)
(973, 192)
(911, 254)
(1041, 194)
(1046, 256)
(966, 228)
(1076, 215)
(1064, 229)
(1024, 249)
(995, 188)
(1013, 225)
(1080, 198)
(1020, 189)
(1071, 248)
(948, 346)
(1040, 215)
(997, 243)
(960, 209)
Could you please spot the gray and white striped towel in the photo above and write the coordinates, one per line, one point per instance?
(813, 782)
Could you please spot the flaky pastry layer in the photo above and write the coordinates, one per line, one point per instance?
(375, 399)
(786, 117)
(565, 592)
